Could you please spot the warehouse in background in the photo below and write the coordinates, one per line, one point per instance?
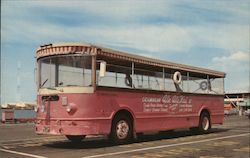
(237, 102)
(17, 112)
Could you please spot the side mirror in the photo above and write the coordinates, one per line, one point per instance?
(102, 69)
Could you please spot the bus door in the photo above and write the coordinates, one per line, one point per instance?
(46, 103)
(46, 108)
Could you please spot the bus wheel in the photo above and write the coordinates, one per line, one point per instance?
(205, 123)
(121, 129)
(75, 138)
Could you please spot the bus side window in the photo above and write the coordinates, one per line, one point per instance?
(115, 76)
(128, 80)
(146, 79)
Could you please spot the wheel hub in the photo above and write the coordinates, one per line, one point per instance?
(205, 123)
(122, 129)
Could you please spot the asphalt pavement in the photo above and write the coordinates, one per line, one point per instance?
(230, 140)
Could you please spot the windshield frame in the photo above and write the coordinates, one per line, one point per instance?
(39, 72)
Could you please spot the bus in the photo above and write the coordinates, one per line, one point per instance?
(86, 89)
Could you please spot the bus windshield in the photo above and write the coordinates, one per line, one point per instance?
(65, 71)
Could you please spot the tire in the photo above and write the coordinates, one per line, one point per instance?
(204, 123)
(75, 138)
(202, 128)
(177, 77)
(122, 130)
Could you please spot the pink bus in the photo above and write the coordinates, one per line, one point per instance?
(85, 89)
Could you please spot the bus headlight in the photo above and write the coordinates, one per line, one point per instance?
(71, 108)
(68, 108)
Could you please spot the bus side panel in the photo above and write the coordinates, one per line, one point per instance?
(166, 111)
(152, 111)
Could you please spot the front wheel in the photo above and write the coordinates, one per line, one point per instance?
(122, 130)
(75, 138)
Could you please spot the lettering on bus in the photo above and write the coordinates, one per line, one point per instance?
(168, 103)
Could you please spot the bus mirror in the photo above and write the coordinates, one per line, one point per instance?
(102, 69)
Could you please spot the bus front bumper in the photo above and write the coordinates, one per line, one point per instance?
(73, 128)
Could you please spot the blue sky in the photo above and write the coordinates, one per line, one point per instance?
(212, 34)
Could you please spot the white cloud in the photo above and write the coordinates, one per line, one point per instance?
(158, 38)
(234, 8)
(237, 67)
(133, 9)
(111, 8)
(164, 38)
(231, 37)
(236, 62)
(236, 57)
(161, 38)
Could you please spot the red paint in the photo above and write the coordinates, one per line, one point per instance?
(151, 111)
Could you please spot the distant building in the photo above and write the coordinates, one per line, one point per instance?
(239, 100)
(19, 105)
(18, 112)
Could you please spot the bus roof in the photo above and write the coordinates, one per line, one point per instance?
(71, 48)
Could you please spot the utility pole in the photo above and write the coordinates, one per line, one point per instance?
(18, 95)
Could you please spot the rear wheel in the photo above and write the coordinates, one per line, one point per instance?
(122, 129)
(205, 123)
(75, 138)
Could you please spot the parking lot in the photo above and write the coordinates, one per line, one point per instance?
(231, 139)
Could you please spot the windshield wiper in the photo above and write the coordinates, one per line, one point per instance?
(44, 82)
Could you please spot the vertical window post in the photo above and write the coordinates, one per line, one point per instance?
(163, 78)
(93, 71)
(188, 90)
(148, 82)
(208, 84)
(57, 72)
(132, 71)
(223, 82)
(39, 74)
(50, 72)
